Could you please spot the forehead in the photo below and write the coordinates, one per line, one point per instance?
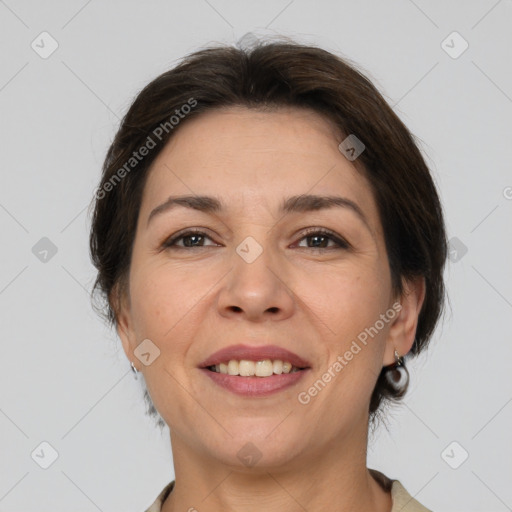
(252, 158)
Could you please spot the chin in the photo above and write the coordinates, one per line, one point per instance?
(257, 450)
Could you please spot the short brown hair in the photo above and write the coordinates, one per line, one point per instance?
(274, 75)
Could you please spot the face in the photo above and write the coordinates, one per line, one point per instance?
(306, 280)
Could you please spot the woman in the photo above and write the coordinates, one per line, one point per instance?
(271, 245)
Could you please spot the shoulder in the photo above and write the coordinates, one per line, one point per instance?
(156, 506)
(402, 500)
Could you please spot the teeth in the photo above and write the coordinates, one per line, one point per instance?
(233, 368)
(277, 367)
(264, 368)
(287, 367)
(245, 368)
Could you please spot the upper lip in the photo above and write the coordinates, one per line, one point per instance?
(254, 353)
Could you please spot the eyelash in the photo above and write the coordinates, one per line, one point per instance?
(342, 244)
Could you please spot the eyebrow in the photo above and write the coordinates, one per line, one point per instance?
(294, 204)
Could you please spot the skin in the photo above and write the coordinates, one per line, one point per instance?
(194, 301)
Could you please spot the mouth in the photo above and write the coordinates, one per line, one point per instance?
(255, 371)
(247, 368)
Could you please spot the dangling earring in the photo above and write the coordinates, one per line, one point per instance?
(135, 371)
(397, 372)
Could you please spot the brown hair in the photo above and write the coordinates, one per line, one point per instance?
(273, 75)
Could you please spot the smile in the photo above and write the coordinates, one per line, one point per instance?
(253, 386)
(246, 368)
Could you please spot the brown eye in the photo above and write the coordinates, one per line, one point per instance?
(320, 239)
(190, 238)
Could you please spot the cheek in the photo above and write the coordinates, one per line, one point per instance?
(347, 300)
(161, 298)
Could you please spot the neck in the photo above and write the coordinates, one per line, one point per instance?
(313, 482)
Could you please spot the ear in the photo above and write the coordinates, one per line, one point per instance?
(403, 328)
(124, 322)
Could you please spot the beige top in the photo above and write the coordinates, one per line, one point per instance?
(402, 500)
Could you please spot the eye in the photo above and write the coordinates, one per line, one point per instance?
(321, 237)
(191, 238)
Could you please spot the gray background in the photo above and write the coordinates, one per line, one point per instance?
(64, 378)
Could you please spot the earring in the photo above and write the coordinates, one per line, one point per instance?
(134, 370)
(397, 373)
(399, 360)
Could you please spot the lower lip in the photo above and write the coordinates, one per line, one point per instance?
(255, 386)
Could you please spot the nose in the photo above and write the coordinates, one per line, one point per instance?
(256, 290)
